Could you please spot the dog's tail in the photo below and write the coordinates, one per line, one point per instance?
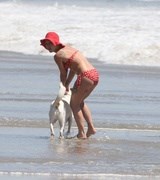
(60, 95)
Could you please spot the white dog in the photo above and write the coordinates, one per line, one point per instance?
(60, 110)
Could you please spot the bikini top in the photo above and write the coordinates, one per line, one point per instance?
(67, 64)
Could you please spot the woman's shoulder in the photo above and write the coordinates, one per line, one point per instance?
(65, 52)
(68, 48)
(61, 54)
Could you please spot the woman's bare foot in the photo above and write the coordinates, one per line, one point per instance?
(90, 132)
(81, 136)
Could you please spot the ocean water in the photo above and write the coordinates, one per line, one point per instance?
(125, 109)
(115, 32)
(115, 36)
(30, 83)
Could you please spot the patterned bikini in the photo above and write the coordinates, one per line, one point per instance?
(91, 74)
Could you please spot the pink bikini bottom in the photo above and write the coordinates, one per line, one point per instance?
(91, 74)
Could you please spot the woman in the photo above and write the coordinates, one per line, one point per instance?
(70, 63)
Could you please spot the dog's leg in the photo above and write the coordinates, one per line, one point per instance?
(61, 123)
(51, 129)
(61, 132)
(51, 119)
(69, 124)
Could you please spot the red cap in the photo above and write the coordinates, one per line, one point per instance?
(51, 36)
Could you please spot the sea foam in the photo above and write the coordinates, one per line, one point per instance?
(111, 33)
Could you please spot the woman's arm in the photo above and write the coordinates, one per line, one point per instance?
(69, 78)
(63, 72)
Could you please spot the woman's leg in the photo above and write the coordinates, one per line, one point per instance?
(77, 99)
(88, 117)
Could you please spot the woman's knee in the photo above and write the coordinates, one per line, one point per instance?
(74, 105)
(82, 105)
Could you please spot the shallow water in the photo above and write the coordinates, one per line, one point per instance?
(125, 108)
(110, 151)
(126, 97)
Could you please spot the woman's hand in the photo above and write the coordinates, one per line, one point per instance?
(67, 87)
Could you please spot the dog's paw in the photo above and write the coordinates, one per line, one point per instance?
(52, 137)
(61, 137)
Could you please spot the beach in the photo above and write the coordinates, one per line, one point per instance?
(121, 39)
(125, 109)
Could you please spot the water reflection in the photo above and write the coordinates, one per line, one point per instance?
(69, 146)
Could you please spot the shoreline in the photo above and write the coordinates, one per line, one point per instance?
(44, 124)
(47, 176)
(98, 63)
